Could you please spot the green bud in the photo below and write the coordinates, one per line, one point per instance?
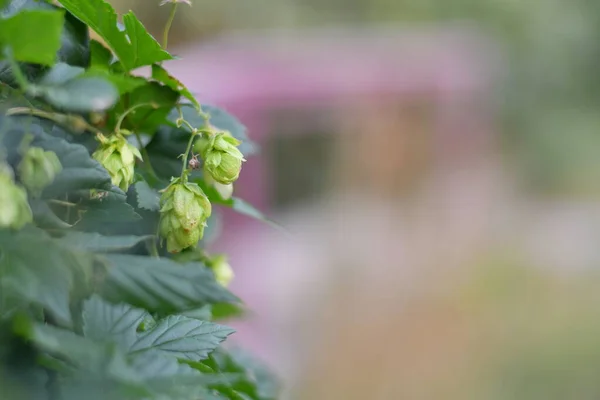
(14, 208)
(225, 191)
(222, 270)
(183, 214)
(38, 168)
(118, 156)
(222, 159)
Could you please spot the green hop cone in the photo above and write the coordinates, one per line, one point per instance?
(38, 168)
(14, 208)
(225, 191)
(118, 156)
(222, 159)
(183, 214)
(222, 270)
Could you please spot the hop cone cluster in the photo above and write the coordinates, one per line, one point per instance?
(118, 156)
(183, 214)
(14, 208)
(38, 168)
(222, 159)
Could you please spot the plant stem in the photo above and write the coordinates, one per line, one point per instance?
(187, 152)
(145, 155)
(73, 122)
(168, 25)
(128, 111)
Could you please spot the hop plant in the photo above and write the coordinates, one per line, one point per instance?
(222, 159)
(222, 270)
(14, 208)
(183, 214)
(118, 156)
(38, 168)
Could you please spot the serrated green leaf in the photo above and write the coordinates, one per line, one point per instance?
(203, 313)
(160, 74)
(161, 285)
(155, 367)
(39, 42)
(147, 198)
(111, 322)
(182, 337)
(43, 277)
(134, 47)
(94, 242)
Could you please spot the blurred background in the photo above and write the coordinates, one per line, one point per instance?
(437, 164)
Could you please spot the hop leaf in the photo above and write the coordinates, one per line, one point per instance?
(184, 211)
(14, 208)
(118, 156)
(222, 159)
(38, 168)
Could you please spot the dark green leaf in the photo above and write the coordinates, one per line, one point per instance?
(60, 74)
(161, 75)
(39, 42)
(101, 57)
(147, 198)
(258, 382)
(42, 277)
(165, 148)
(226, 311)
(44, 217)
(75, 42)
(105, 212)
(80, 171)
(182, 337)
(85, 94)
(156, 100)
(123, 83)
(161, 285)
(62, 342)
(134, 47)
(94, 242)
